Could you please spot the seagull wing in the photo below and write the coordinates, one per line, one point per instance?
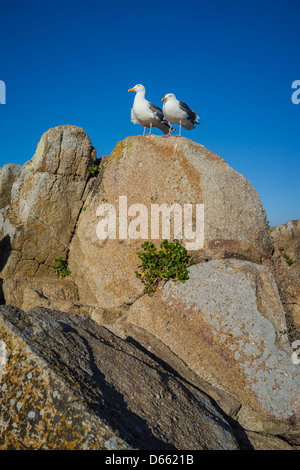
(156, 111)
(192, 116)
(158, 114)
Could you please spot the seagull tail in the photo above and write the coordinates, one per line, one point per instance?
(165, 127)
(168, 124)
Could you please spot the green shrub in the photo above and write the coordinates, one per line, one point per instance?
(170, 262)
(62, 267)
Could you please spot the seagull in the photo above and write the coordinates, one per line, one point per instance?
(177, 112)
(147, 114)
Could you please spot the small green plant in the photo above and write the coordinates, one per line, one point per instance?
(94, 169)
(170, 262)
(289, 260)
(62, 267)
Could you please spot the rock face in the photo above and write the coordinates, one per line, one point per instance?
(164, 171)
(68, 383)
(45, 202)
(45, 198)
(288, 236)
(227, 329)
(8, 175)
(287, 247)
(226, 323)
(49, 293)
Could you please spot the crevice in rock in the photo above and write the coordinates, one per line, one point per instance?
(2, 298)
(5, 250)
(83, 199)
(286, 296)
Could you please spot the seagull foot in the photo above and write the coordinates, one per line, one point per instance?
(167, 135)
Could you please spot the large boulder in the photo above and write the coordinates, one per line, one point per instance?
(68, 383)
(228, 325)
(227, 322)
(151, 171)
(43, 202)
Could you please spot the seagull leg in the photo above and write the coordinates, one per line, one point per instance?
(150, 129)
(144, 130)
(169, 134)
(179, 135)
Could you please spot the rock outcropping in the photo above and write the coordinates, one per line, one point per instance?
(44, 200)
(68, 383)
(149, 172)
(227, 328)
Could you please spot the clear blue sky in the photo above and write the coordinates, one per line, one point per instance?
(233, 62)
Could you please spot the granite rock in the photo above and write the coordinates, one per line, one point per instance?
(68, 383)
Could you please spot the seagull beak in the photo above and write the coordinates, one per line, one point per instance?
(131, 89)
(164, 99)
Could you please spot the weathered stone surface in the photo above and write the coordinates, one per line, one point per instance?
(8, 174)
(227, 324)
(49, 293)
(45, 202)
(288, 236)
(68, 383)
(156, 170)
(286, 239)
(267, 442)
(172, 362)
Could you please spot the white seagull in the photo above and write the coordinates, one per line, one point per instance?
(177, 112)
(147, 114)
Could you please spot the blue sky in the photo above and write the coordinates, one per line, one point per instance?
(233, 62)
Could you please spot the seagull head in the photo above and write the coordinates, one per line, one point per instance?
(169, 96)
(137, 88)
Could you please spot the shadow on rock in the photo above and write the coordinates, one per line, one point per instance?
(5, 249)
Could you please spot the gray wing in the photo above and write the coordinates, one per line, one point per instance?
(158, 113)
(192, 116)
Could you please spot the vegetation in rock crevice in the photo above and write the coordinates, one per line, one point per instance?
(289, 260)
(62, 267)
(170, 262)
